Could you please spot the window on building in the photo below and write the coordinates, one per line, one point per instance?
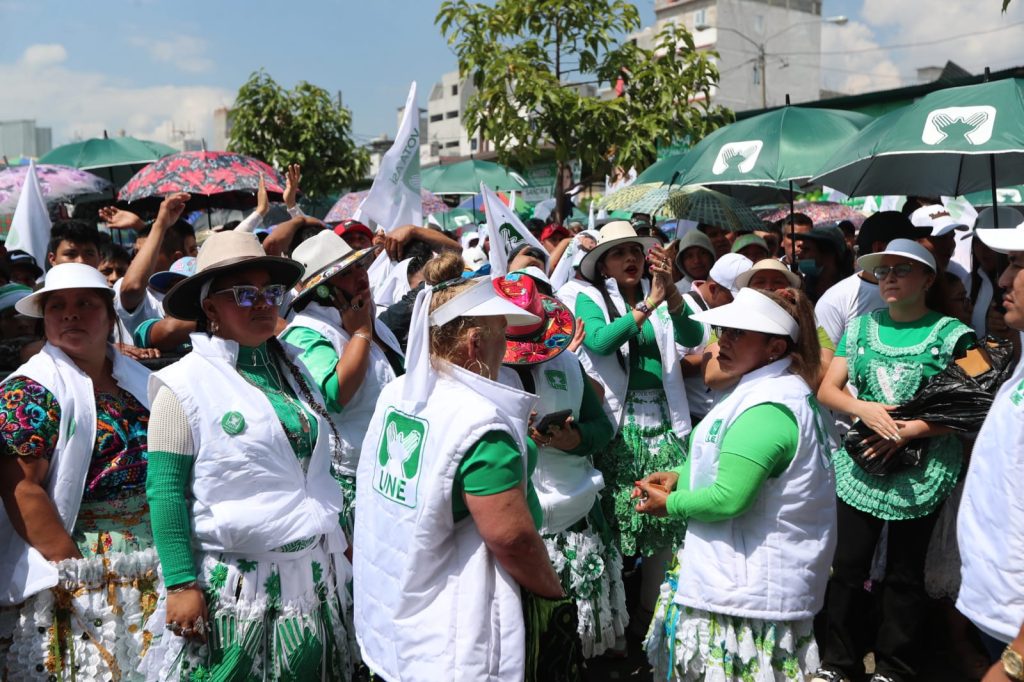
(436, 117)
(452, 114)
(451, 145)
(455, 89)
(700, 17)
(759, 23)
(757, 74)
(472, 145)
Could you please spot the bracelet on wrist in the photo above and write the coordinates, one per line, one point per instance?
(365, 337)
(182, 587)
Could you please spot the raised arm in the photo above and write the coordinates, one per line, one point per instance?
(136, 279)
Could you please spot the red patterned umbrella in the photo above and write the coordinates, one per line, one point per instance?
(820, 212)
(346, 206)
(229, 180)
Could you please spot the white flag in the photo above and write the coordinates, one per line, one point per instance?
(394, 198)
(30, 226)
(505, 231)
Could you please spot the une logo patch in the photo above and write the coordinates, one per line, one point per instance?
(557, 379)
(737, 156)
(973, 125)
(511, 236)
(397, 467)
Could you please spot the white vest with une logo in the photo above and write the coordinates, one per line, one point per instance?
(250, 494)
(431, 601)
(607, 370)
(352, 420)
(772, 561)
(990, 527)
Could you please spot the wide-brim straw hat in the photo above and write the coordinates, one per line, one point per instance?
(614, 233)
(743, 280)
(222, 253)
(323, 256)
(63, 276)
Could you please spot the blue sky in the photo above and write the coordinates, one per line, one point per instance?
(81, 67)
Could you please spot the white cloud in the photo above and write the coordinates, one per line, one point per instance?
(39, 56)
(84, 104)
(184, 52)
(940, 31)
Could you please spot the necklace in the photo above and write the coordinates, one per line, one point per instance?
(275, 386)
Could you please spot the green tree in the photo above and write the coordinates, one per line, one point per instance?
(530, 61)
(302, 125)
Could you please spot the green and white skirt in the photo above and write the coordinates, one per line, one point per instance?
(91, 624)
(283, 616)
(645, 444)
(686, 644)
(591, 574)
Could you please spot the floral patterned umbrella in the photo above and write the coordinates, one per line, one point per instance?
(821, 212)
(228, 180)
(58, 183)
(346, 206)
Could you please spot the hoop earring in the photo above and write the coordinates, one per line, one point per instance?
(477, 367)
(214, 327)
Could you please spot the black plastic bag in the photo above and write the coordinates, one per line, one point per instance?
(952, 398)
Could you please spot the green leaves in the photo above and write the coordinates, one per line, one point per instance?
(537, 64)
(302, 125)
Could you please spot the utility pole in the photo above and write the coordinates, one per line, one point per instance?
(762, 65)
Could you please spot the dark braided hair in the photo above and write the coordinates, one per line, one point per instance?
(278, 354)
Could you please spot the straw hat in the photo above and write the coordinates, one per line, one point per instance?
(63, 276)
(323, 256)
(539, 341)
(743, 280)
(225, 252)
(613, 234)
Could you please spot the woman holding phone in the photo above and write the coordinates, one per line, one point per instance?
(349, 353)
(571, 425)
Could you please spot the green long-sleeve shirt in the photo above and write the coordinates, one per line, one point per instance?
(604, 338)
(758, 445)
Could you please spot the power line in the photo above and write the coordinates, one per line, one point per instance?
(900, 46)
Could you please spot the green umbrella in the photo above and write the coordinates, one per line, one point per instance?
(465, 177)
(662, 170)
(704, 205)
(774, 150)
(458, 217)
(112, 158)
(949, 142)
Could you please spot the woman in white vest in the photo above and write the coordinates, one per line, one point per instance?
(78, 571)
(633, 328)
(757, 494)
(990, 529)
(349, 353)
(446, 554)
(245, 511)
(569, 515)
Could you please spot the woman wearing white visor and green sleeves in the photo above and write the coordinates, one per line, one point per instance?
(450, 571)
(757, 493)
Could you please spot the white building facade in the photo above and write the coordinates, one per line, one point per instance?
(740, 30)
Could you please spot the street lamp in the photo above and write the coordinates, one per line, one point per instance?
(839, 20)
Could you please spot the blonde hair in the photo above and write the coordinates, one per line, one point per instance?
(443, 267)
(806, 350)
(446, 340)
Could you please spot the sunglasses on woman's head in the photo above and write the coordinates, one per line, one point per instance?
(901, 271)
(246, 295)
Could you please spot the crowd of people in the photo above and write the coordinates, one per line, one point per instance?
(330, 452)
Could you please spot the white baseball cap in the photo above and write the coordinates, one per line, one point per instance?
(728, 268)
(753, 311)
(936, 218)
(1005, 239)
(63, 276)
(905, 248)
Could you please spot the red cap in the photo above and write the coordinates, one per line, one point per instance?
(554, 231)
(352, 227)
